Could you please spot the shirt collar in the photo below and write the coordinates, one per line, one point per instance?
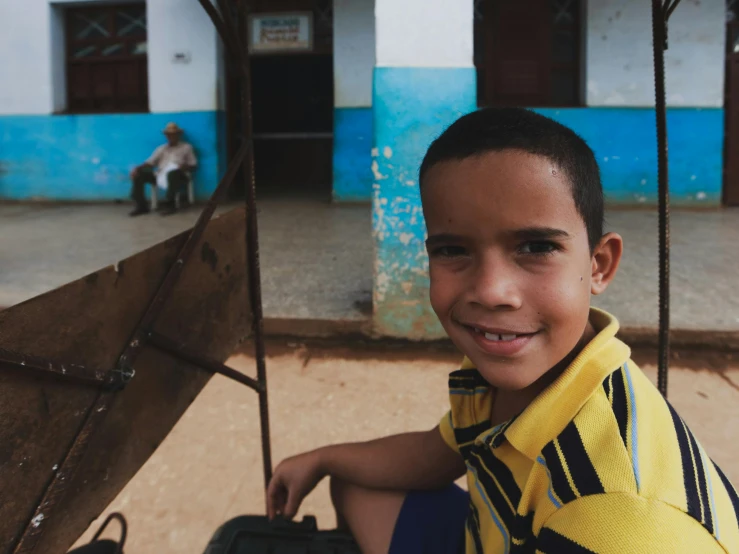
(551, 411)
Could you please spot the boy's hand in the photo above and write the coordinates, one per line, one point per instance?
(292, 481)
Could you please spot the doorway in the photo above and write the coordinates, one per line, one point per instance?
(292, 105)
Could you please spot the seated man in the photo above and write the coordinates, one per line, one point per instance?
(172, 160)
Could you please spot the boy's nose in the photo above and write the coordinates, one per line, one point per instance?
(495, 287)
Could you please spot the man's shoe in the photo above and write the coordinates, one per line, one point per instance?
(140, 210)
(169, 210)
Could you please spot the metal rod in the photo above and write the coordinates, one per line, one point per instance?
(659, 40)
(668, 9)
(212, 366)
(72, 372)
(124, 530)
(252, 253)
(59, 483)
(165, 289)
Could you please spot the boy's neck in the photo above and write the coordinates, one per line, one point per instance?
(509, 403)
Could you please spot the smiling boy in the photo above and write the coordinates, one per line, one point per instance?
(566, 445)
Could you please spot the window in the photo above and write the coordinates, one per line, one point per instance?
(527, 52)
(106, 59)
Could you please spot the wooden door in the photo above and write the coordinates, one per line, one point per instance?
(518, 52)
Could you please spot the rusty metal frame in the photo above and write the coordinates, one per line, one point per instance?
(110, 381)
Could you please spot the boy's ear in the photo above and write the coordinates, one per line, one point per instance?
(604, 264)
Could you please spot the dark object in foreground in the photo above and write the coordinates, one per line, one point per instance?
(105, 546)
(77, 424)
(257, 535)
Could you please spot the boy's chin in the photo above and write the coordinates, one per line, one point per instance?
(508, 377)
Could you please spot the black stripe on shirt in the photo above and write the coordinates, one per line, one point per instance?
(551, 542)
(607, 386)
(473, 526)
(507, 515)
(504, 476)
(523, 535)
(730, 490)
(689, 482)
(620, 406)
(469, 434)
(559, 479)
(581, 468)
(702, 484)
(466, 379)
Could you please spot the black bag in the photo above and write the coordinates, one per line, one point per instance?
(257, 535)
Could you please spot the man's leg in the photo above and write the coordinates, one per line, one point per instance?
(369, 515)
(176, 183)
(139, 181)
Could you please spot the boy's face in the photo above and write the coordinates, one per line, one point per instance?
(511, 269)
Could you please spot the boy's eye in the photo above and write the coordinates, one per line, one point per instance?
(449, 251)
(538, 248)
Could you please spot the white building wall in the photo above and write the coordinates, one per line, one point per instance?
(619, 68)
(25, 48)
(424, 33)
(354, 52)
(32, 67)
(181, 26)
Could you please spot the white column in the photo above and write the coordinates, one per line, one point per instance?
(424, 80)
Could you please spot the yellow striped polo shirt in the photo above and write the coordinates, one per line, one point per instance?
(598, 462)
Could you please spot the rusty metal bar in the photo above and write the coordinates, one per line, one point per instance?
(178, 351)
(57, 488)
(252, 252)
(660, 14)
(228, 28)
(165, 289)
(73, 372)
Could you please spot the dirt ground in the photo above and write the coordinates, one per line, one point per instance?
(209, 468)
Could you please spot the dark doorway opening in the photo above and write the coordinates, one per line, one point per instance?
(292, 109)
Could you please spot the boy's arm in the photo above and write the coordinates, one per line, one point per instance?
(411, 461)
(614, 523)
(400, 462)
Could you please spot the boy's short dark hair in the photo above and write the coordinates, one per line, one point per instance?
(495, 129)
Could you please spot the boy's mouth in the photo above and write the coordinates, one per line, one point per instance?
(505, 342)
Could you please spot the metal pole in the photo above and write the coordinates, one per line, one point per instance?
(660, 13)
(252, 245)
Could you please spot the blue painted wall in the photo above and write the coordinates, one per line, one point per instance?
(412, 106)
(625, 144)
(352, 155)
(88, 157)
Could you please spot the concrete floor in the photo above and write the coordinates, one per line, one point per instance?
(209, 468)
(317, 259)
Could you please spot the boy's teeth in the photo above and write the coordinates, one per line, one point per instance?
(495, 337)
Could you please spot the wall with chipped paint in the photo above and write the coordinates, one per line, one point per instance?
(45, 153)
(619, 68)
(421, 85)
(354, 60)
(627, 153)
(81, 157)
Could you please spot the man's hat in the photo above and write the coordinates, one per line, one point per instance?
(172, 129)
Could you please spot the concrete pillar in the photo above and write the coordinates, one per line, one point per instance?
(424, 79)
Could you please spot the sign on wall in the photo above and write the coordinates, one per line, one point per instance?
(281, 32)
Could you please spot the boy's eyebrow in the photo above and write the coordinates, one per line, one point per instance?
(538, 233)
(442, 238)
